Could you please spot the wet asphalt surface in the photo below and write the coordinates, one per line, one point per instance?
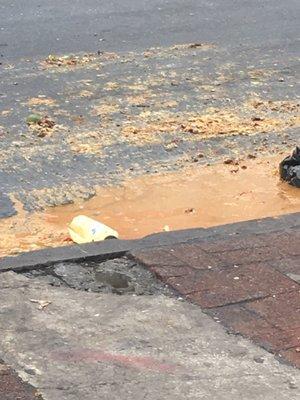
(253, 50)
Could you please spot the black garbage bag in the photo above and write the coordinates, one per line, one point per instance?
(289, 168)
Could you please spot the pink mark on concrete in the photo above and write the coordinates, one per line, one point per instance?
(90, 356)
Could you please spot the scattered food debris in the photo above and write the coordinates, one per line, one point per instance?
(150, 125)
(71, 60)
(46, 122)
(171, 146)
(230, 161)
(33, 119)
(40, 125)
(190, 211)
(257, 118)
(278, 106)
(40, 101)
(195, 45)
(67, 60)
(42, 303)
(59, 61)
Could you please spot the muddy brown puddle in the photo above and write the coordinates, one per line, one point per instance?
(201, 196)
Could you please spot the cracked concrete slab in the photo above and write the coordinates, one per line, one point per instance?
(72, 344)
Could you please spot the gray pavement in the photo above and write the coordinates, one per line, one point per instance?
(252, 51)
(91, 346)
(133, 114)
(37, 28)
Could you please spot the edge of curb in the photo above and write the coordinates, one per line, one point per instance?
(116, 248)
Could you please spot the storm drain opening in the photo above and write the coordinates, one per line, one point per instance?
(120, 276)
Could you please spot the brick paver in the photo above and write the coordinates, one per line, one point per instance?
(12, 387)
(249, 283)
(237, 284)
(291, 356)
(238, 319)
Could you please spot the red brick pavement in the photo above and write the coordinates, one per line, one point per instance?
(249, 283)
(12, 387)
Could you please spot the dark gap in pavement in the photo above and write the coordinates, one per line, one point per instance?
(120, 276)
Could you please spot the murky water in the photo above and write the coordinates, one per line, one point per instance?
(196, 197)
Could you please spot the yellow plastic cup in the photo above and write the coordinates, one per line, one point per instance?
(85, 230)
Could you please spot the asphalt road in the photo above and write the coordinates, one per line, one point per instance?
(252, 50)
(41, 27)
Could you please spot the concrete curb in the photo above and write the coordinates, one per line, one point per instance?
(116, 248)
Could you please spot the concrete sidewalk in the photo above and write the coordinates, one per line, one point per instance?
(91, 346)
(72, 344)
